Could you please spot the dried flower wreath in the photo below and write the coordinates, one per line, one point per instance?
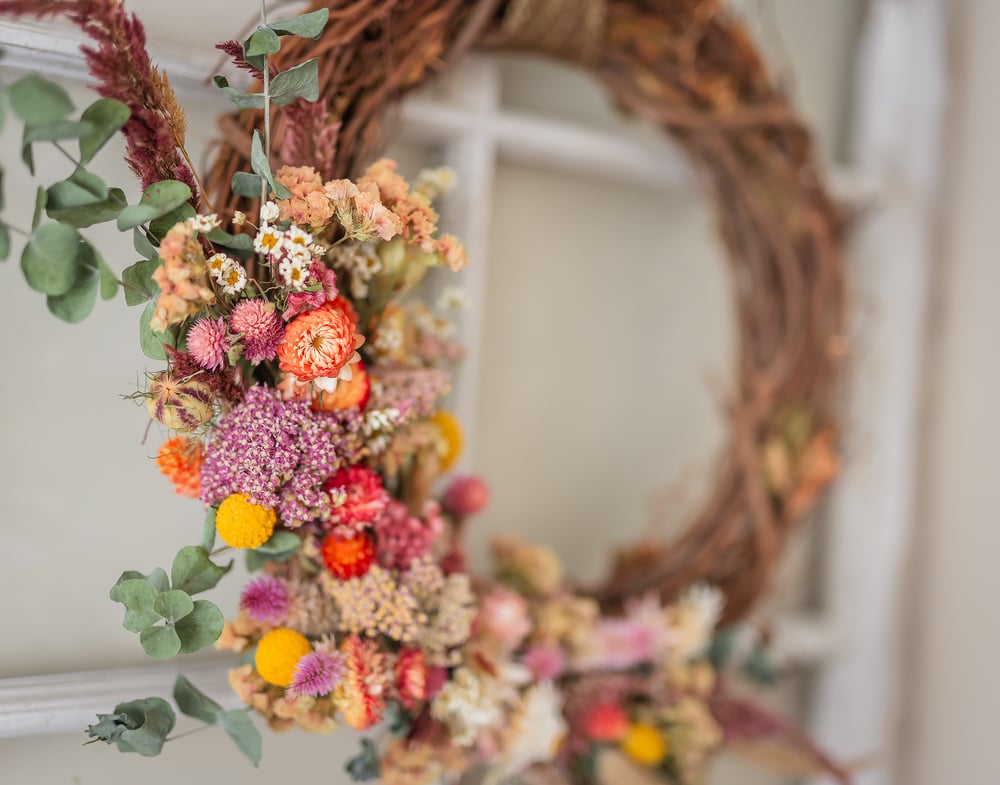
(304, 379)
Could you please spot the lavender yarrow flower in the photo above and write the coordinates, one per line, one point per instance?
(265, 599)
(317, 673)
(279, 453)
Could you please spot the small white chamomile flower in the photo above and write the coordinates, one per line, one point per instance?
(293, 273)
(218, 264)
(205, 223)
(239, 218)
(269, 212)
(267, 241)
(296, 243)
(234, 278)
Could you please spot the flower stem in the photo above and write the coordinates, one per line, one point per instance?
(267, 109)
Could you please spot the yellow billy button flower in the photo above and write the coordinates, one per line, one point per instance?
(451, 438)
(243, 524)
(644, 744)
(278, 652)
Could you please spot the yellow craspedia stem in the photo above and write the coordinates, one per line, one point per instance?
(451, 438)
(278, 652)
(644, 744)
(243, 524)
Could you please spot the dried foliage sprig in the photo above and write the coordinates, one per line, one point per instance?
(121, 65)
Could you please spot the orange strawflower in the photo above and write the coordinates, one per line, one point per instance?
(319, 346)
(353, 393)
(180, 460)
(348, 557)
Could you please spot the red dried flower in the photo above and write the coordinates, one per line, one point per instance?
(348, 557)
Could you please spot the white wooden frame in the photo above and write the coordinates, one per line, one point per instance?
(474, 133)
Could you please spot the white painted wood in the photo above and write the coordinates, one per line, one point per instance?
(68, 702)
(900, 84)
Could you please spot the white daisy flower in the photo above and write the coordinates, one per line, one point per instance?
(269, 212)
(205, 223)
(293, 273)
(267, 241)
(234, 278)
(296, 243)
(217, 266)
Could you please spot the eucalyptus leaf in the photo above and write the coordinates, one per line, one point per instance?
(158, 199)
(138, 281)
(242, 100)
(208, 533)
(108, 727)
(157, 578)
(161, 643)
(36, 217)
(76, 304)
(138, 596)
(260, 165)
(193, 572)
(36, 100)
(301, 81)
(240, 243)
(200, 628)
(240, 727)
(4, 242)
(152, 342)
(264, 41)
(148, 722)
(246, 184)
(195, 703)
(306, 26)
(173, 605)
(142, 245)
(83, 200)
(50, 132)
(50, 259)
(159, 227)
(109, 283)
(281, 543)
(107, 116)
(365, 765)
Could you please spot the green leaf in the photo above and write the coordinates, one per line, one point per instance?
(39, 207)
(82, 200)
(194, 572)
(76, 304)
(246, 184)
(280, 547)
(195, 703)
(208, 532)
(108, 727)
(50, 132)
(142, 245)
(242, 100)
(138, 596)
(200, 628)
(720, 650)
(139, 283)
(260, 164)
(159, 199)
(107, 116)
(3, 108)
(157, 579)
(109, 282)
(264, 41)
(148, 723)
(173, 605)
(159, 228)
(36, 100)
(49, 261)
(306, 25)
(365, 765)
(241, 243)
(161, 643)
(241, 730)
(4, 242)
(152, 342)
(302, 81)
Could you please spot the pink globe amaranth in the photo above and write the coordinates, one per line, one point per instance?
(208, 342)
(466, 495)
(260, 329)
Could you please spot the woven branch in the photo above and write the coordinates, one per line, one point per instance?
(690, 68)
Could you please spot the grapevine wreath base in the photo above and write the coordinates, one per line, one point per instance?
(689, 67)
(305, 376)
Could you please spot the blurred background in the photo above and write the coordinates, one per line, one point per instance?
(601, 343)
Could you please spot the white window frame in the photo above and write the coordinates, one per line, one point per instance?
(851, 642)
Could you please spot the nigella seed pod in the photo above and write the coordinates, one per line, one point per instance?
(181, 404)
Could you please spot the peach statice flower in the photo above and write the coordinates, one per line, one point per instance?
(265, 600)
(208, 342)
(180, 460)
(260, 329)
(317, 673)
(308, 204)
(320, 346)
(182, 278)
